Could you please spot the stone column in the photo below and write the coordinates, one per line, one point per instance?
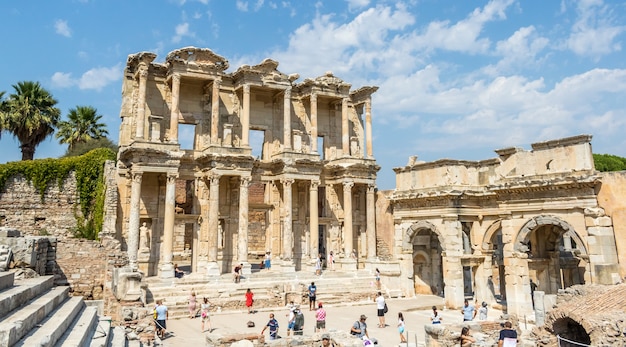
(242, 241)
(174, 108)
(347, 218)
(167, 267)
(287, 220)
(214, 191)
(314, 124)
(371, 221)
(215, 110)
(368, 128)
(345, 130)
(245, 116)
(518, 300)
(287, 119)
(141, 102)
(133, 219)
(314, 219)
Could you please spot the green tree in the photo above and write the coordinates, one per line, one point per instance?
(84, 147)
(31, 115)
(608, 162)
(83, 125)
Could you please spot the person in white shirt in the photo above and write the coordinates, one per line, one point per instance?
(380, 306)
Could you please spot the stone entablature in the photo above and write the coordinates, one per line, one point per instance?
(312, 145)
(485, 229)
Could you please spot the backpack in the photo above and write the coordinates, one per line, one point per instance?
(386, 309)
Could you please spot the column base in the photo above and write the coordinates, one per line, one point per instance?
(347, 264)
(166, 270)
(213, 269)
(285, 266)
(247, 268)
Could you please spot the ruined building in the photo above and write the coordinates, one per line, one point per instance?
(271, 164)
(484, 229)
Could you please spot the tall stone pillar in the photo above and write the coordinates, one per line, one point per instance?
(166, 266)
(133, 219)
(287, 119)
(242, 241)
(347, 218)
(214, 195)
(370, 202)
(174, 108)
(314, 124)
(215, 110)
(314, 219)
(345, 130)
(141, 102)
(245, 117)
(287, 220)
(368, 128)
(518, 300)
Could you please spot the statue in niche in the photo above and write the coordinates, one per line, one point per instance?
(144, 234)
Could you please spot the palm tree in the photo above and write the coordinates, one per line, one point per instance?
(30, 115)
(82, 126)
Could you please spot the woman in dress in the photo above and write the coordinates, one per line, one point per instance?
(249, 300)
(192, 305)
(204, 309)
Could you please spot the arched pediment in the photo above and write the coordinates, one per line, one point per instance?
(523, 236)
(415, 228)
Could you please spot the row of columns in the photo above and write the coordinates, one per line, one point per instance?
(245, 115)
(166, 266)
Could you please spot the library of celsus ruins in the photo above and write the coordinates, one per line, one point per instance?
(272, 165)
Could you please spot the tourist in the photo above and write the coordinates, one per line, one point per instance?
(508, 336)
(268, 260)
(249, 300)
(380, 306)
(466, 339)
(435, 317)
(359, 329)
(312, 296)
(320, 318)
(291, 320)
(318, 265)
(326, 341)
(298, 326)
(161, 317)
(204, 313)
(401, 327)
(237, 273)
(482, 311)
(377, 278)
(468, 311)
(192, 305)
(331, 261)
(178, 273)
(273, 325)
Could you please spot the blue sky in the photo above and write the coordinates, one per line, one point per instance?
(458, 79)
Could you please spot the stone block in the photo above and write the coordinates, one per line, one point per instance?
(9, 232)
(605, 273)
(600, 231)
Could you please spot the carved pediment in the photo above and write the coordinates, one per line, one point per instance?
(200, 56)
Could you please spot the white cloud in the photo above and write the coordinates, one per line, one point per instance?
(242, 5)
(98, 78)
(357, 4)
(62, 80)
(258, 5)
(181, 31)
(520, 50)
(61, 28)
(594, 34)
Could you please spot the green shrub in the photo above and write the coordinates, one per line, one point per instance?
(608, 162)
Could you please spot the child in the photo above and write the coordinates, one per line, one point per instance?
(249, 300)
(204, 307)
(401, 327)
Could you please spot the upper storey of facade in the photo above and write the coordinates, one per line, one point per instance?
(254, 116)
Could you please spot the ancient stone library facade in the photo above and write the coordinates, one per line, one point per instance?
(486, 229)
(219, 168)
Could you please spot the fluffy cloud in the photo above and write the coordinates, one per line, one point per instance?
(181, 31)
(96, 78)
(61, 28)
(594, 34)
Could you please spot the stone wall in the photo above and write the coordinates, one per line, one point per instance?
(611, 199)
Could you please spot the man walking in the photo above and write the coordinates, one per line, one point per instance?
(161, 316)
(468, 311)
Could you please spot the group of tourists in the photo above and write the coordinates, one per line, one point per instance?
(203, 310)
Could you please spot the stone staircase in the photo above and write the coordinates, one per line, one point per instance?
(33, 312)
(270, 288)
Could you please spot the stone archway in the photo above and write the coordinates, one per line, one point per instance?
(571, 333)
(427, 258)
(556, 253)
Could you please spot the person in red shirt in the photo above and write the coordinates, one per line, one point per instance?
(249, 300)
(320, 317)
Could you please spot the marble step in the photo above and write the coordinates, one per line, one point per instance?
(118, 337)
(22, 292)
(22, 320)
(103, 334)
(81, 332)
(55, 324)
(6, 279)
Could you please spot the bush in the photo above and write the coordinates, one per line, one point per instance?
(608, 162)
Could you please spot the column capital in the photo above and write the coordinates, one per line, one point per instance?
(213, 178)
(371, 188)
(313, 97)
(348, 185)
(287, 181)
(244, 181)
(143, 72)
(246, 88)
(171, 177)
(315, 184)
(288, 93)
(136, 176)
(176, 77)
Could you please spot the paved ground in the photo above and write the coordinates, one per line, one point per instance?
(416, 311)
